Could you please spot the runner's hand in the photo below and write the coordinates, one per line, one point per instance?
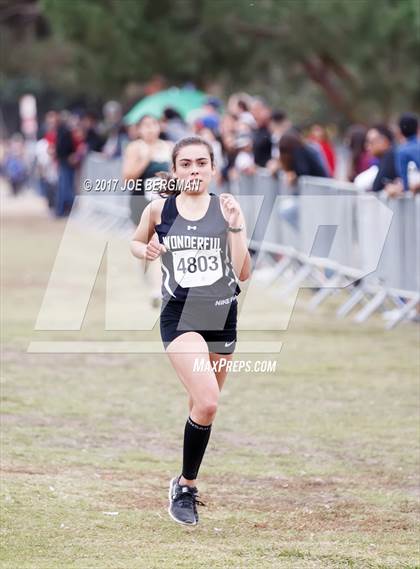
(230, 208)
(154, 249)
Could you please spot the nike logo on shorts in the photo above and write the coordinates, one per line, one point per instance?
(227, 344)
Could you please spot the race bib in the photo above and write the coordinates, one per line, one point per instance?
(197, 267)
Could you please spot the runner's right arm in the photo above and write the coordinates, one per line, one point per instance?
(144, 243)
(136, 158)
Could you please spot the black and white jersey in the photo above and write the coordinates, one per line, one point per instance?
(197, 262)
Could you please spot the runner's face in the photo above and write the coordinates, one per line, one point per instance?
(149, 129)
(194, 163)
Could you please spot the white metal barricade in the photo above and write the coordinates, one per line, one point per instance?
(329, 234)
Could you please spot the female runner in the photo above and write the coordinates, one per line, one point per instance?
(203, 247)
(144, 157)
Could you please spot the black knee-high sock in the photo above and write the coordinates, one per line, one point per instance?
(196, 438)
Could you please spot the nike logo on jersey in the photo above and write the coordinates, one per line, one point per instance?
(191, 227)
(227, 344)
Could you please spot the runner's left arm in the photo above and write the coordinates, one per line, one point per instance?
(238, 243)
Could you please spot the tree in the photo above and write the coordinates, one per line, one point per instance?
(355, 59)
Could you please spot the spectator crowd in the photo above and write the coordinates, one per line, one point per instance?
(247, 135)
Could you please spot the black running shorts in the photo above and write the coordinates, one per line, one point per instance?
(216, 323)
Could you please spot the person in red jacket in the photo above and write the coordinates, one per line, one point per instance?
(318, 134)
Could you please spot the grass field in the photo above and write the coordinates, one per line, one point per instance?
(314, 466)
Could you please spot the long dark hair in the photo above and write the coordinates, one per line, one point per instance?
(288, 144)
(356, 142)
(182, 143)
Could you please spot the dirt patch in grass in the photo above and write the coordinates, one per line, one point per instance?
(13, 470)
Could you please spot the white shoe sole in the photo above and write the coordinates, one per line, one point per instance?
(169, 507)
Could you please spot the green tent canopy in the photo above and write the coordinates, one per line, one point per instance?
(182, 100)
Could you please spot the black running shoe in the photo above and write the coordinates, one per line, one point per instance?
(183, 503)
